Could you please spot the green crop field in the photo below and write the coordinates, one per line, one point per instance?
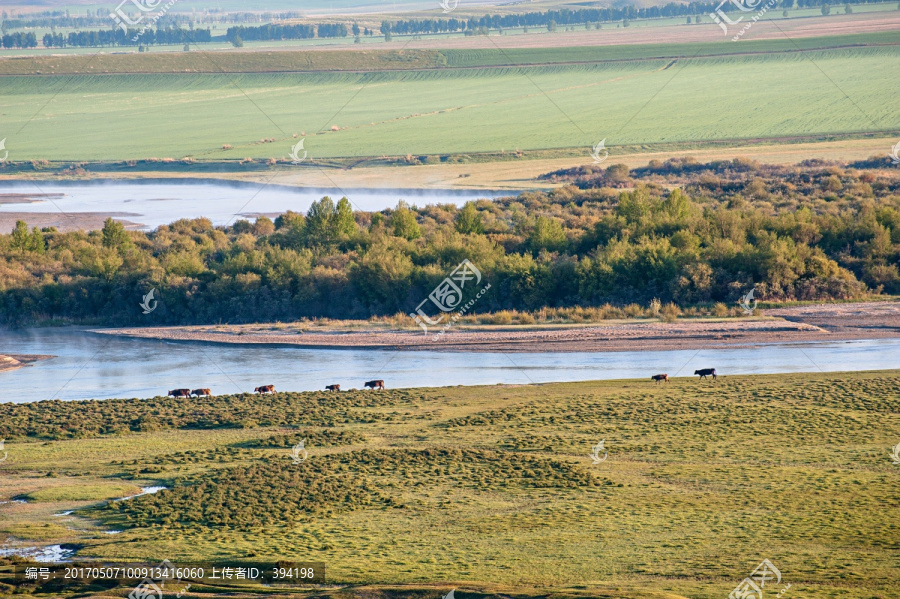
(486, 489)
(448, 110)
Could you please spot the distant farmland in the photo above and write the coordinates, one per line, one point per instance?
(452, 111)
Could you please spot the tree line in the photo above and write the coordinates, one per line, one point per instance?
(19, 40)
(175, 35)
(117, 37)
(565, 17)
(681, 232)
(286, 32)
(101, 18)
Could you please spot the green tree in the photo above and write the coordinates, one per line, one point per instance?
(25, 241)
(468, 220)
(382, 277)
(290, 220)
(320, 222)
(36, 241)
(403, 222)
(548, 234)
(20, 237)
(115, 236)
(344, 221)
(326, 222)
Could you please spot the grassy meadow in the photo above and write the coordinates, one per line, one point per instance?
(449, 112)
(487, 489)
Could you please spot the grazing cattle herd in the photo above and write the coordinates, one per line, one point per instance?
(379, 384)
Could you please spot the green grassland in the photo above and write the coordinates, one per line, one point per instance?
(450, 111)
(487, 489)
(392, 58)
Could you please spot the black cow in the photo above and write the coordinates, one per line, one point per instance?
(332, 387)
(705, 372)
(660, 378)
(180, 393)
(375, 384)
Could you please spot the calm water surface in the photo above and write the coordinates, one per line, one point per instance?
(90, 365)
(157, 203)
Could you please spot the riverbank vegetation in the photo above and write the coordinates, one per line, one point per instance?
(676, 233)
(491, 490)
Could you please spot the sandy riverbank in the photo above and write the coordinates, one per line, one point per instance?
(65, 221)
(826, 322)
(13, 361)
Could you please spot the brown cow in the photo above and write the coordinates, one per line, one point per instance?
(660, 377)
(201, 392)
(375, 384)
(332, 387)
(265, 389)
(180, 393)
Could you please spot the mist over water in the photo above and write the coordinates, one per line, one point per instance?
(90, 365)
(154, 203)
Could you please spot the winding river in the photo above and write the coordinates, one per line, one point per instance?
(90, 365)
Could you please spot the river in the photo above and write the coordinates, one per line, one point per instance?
(89, 365)
(153, 203)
